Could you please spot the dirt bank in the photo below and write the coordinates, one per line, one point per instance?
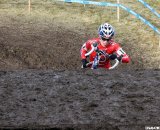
(118, 100)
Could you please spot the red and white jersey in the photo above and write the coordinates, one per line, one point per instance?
(111, 48)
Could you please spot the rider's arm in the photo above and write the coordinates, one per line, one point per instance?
(121, 54)
(84, 49)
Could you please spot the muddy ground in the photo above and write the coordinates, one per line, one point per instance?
(42, 85)
(84, 99)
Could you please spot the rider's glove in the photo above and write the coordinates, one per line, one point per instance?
(95, 44)
(112, 56)
(84, 63)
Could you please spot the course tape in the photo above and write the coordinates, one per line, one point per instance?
(150, 8)
(91, 2)
(116, 5)
(141, 18)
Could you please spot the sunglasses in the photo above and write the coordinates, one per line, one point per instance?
(104, 39)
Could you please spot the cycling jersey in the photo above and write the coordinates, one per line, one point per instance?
(110, 48)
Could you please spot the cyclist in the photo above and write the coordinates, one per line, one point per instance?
(105, 44)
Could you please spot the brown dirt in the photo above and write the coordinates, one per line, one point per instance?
(42, 85)
(80, 100)
(39, 46)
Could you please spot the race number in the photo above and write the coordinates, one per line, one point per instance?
(120, 52)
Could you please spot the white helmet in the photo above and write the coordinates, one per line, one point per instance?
(106, 31)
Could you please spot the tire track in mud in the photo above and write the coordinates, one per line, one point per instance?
(83, 99)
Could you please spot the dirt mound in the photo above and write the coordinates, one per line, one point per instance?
(87, 100)
(32, 46)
